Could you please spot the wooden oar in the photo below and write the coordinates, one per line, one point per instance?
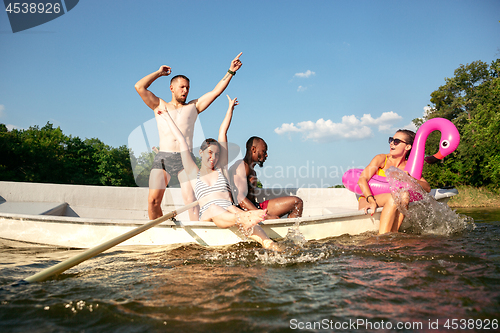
(68, 263)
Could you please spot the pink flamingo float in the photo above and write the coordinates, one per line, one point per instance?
(450, 138)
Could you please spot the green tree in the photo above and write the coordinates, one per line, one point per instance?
(456, 100)
(47, 155)
(471, 100)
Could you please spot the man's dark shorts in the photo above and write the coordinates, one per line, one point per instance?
(170, 162)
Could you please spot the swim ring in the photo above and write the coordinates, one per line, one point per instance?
(450, 139)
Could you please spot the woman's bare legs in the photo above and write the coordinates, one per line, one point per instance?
(247, 219)
(259, 235)
(227, 218)
(390, 218)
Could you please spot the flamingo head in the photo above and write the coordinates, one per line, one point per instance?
(450, 139)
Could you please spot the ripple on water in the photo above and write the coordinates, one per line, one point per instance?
(404, 276)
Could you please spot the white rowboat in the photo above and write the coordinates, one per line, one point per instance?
(77, 216)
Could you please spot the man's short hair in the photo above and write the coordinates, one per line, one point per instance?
(251, 141)
(179, 77)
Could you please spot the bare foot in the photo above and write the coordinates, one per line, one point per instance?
(271, 245)
(250, 218)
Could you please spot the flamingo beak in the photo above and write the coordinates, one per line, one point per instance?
(434, 158)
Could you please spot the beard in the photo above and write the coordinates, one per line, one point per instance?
(260, 160)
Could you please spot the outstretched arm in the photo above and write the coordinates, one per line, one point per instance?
(143, 84)
(204, 101)
(187, 161)
(224, 127)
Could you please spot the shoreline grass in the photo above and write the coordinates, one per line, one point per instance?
(470, 197)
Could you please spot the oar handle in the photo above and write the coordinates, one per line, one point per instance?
(70, 262)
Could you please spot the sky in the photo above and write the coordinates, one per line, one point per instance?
(324, 83)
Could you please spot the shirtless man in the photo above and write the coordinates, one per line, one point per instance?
(244, 181)
(168, 160)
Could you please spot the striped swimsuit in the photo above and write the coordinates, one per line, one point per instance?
(201, 189)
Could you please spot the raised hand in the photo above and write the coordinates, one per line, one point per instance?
(232, 102)
(164, 70)
(236, 63)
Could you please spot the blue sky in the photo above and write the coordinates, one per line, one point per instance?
(323, 82)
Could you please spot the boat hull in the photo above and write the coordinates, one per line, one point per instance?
(74, 233)
(75, 216)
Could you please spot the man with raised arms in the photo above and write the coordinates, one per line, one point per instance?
(244, 181)
(168, 160)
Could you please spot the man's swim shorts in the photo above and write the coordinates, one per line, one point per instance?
(171, 162)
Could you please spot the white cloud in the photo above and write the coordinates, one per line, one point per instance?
(307, 74)
(384, 122)
(351, 127)
(411, 126)
(301, 89)
(427, 110)
(2, 108)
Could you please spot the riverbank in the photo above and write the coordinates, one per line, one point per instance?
(469, 197)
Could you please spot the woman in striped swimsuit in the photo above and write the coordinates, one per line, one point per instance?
(211, 186)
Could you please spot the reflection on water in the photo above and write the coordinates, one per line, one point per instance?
(408, 278)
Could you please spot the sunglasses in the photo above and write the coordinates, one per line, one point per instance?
(396, 141)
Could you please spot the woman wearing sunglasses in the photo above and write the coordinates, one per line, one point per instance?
(400, 147)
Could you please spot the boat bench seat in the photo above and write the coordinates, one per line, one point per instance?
(33, 208)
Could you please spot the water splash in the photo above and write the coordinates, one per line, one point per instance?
(288, 258)
(423, 214)
(294, 238)
(293, 252)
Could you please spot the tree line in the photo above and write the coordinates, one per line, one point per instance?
(46, 155)
(470, 99)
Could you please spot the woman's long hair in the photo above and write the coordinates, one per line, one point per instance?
(410, 137)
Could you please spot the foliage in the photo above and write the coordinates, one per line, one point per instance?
(142, 167)
(46, 155)
(471, 100)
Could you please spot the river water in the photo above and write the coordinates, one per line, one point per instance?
(396, 282)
